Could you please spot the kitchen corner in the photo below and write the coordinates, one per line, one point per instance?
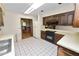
(70, 40)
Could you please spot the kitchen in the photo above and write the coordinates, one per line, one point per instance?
(65, 25)
(64, 38)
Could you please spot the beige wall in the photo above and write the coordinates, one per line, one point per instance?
(37, 26)
(12, 24)
(68, 28)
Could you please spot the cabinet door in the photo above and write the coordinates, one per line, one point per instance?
(66, 18)
(70, 19)
(59, 18)
(76, 16)
(63, 20)
(45, 20)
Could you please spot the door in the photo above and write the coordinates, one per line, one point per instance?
(27, 28)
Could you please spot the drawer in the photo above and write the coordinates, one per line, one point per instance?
(66, 52)
(72, 53)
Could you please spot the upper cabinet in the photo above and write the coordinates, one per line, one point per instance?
(1, 17)
(59, 19)
(76, 16)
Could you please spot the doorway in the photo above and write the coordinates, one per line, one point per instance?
(26, 28)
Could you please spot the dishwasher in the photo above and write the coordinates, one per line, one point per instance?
(5, 46)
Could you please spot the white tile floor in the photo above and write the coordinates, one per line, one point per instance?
(35, 47)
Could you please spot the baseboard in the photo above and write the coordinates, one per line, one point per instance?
(35, 37)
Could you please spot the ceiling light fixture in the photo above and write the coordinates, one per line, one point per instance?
(33, 7)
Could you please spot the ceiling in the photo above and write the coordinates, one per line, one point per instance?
(21, 7)
(48, 7)
(17, 7)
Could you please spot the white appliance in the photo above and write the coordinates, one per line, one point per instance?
(7, 45)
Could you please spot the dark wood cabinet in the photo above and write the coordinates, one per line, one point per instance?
(76, 16)
(62, 18)
(66, 52)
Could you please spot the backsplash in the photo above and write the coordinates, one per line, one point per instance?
(67, 28)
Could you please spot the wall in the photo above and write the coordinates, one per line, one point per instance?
(67, 28)
(37, 26)
(12, 23)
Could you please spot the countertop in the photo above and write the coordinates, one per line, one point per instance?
(63, 32)
(70, 40)
(5, 37)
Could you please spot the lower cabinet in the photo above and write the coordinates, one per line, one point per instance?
(66, 52)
